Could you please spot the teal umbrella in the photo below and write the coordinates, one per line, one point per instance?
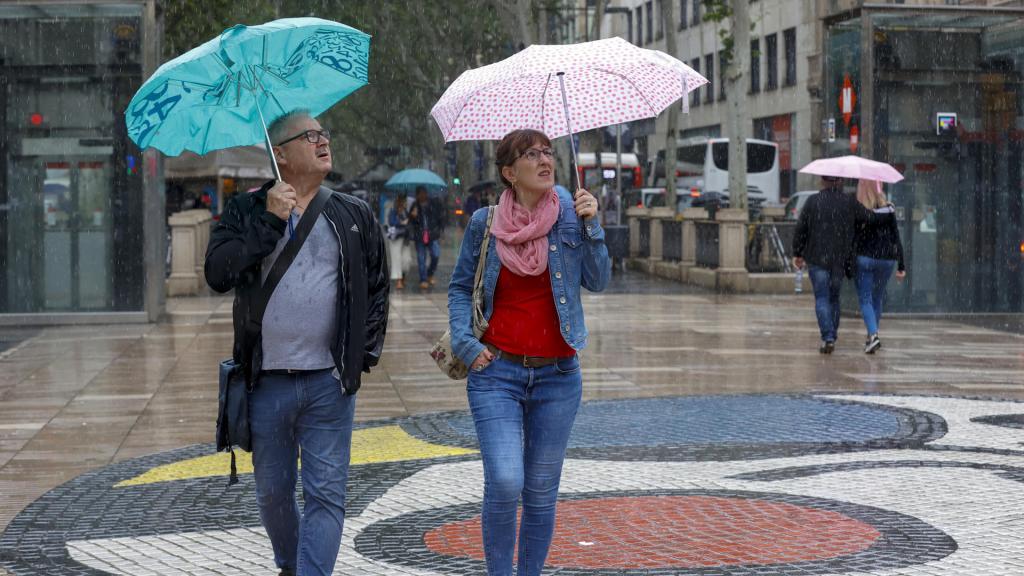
(224, 93)
(408, 180)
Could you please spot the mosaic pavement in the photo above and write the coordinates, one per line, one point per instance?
(751, 485)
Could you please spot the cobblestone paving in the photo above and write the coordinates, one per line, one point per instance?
(915, 485)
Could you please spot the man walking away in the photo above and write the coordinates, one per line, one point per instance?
(824, 239)
(323, 326)
(427, 221)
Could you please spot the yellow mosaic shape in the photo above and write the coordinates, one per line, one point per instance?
(369, 446)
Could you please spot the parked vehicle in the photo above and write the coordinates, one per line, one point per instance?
(593, 176)
(655, 197)
(702, 165)
(797, 202)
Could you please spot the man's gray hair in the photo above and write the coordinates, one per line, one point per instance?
(278, 129)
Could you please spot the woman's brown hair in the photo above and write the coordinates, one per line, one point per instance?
(514, 144)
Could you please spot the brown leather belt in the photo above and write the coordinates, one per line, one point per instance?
(526, 361)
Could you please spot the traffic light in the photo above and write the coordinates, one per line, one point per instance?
(456, 181)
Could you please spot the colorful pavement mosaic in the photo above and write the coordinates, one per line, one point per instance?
(751, 485)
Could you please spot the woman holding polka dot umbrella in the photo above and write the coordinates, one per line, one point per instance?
(525, 382)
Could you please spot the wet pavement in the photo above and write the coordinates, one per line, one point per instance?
(713, 439)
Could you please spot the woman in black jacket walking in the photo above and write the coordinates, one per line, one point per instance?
(879, 251)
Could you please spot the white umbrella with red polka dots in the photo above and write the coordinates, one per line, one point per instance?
(562, 89)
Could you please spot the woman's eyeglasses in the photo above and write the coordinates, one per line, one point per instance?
(535, 154)
(312, 136)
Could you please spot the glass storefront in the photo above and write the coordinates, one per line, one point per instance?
(71, 183)
(946, 94)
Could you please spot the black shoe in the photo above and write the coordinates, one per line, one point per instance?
(827, 347)
(872, 345)
(287, 572)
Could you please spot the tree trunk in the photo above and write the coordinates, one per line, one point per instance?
(668, 15)
(736, 95)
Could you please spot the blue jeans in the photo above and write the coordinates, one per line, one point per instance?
(311, 412)
(523, 417)
(827, 284)
(434, 248)
(872, 277)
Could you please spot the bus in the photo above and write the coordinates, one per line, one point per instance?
(702, 166)
(593, 176)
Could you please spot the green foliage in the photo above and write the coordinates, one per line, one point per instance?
(719, 12)
(418, 49)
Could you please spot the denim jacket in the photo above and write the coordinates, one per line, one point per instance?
(577, 257)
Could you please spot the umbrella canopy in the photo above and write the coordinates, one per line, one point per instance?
(853, 167)
(605, 82)
(223, 93)
(408, 180)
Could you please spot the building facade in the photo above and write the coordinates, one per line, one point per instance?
(82, 229)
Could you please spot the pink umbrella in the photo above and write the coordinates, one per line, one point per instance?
(853, 167)
(602, 83)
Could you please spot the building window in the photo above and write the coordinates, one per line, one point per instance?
(721, 74)
(696, 12)
(755, 65)
(709, 73)
(789, 43)
(682, 13)
(771, 45)
(650, 21)
(695, 95)
(660, 18)
(639, 25)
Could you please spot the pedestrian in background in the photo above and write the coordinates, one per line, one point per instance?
(824, 240)
(398, 239)
(427, 222)
(320, 331)
(524, 383)
(879, 251)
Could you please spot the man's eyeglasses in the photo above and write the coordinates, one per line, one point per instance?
(312, 136)
(535, 154)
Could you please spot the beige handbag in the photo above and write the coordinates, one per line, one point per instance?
(442, 352)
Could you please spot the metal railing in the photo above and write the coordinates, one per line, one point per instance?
(707, 244)
(645, 238)
(770, 246)
(671, 240)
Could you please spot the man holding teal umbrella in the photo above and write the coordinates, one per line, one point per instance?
(307, 265)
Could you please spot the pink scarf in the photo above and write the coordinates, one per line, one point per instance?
(522, 234)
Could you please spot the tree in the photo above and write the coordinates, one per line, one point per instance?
(669, 16)
(735, 64)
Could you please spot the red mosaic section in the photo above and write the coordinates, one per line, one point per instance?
(679, 532)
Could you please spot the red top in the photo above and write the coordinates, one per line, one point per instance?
(524, 320)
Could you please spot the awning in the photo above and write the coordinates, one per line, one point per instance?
(249, 162)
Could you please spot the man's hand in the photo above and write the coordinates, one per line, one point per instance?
(586, 204)
(281, 200)
(798, 262)
(900, 275)
(483, 359)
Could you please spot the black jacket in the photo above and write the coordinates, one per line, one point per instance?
(827, 226)
(434, 219)
(880, 241)
(247, 233)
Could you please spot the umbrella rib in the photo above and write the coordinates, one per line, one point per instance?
(543, 103)
(635, 87)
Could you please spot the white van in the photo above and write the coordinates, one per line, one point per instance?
(702, 166)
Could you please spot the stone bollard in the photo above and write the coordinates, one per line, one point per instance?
(190, 234)
(658, 215)
(732, 243)
(633, 215)
(689, 253)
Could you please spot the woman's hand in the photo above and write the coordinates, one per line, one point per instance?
(586, 204)
(483, 359)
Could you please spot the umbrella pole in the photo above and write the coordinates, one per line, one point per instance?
(572, 143)
(269, 145)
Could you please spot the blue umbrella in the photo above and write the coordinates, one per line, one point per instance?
(408, 180)
(224, 93)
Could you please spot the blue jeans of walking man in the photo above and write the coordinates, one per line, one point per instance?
(434, 248)
(310, 412)
(827, 285)
(523, 417)
(872, 278)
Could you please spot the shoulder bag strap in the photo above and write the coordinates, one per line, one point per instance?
(285, 258)
(479, 322)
